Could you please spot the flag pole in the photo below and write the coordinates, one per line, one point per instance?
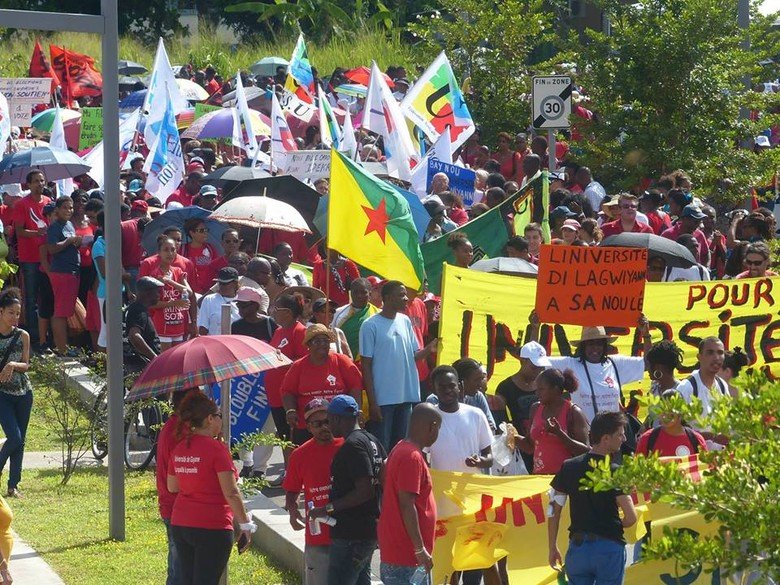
(327, 250)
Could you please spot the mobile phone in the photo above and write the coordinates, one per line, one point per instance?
(242, 543)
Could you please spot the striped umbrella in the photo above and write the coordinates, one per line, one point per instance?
(352, 89)
(219, 124)
(43, 121)
(205, 360)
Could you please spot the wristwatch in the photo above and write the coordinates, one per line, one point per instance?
(329, 508)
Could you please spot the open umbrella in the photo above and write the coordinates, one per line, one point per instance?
(261, 212)
(130, 81)
(131, 68)
(219, 124)
(266, 66)
(209, 359)
(252, 92)
(56, 163)
(225, 176)
(191, 91)
(506, 265)
(361, 75)
(43, 121)
(176, 218)
(352, 89)
(675, 254)
(133, 101)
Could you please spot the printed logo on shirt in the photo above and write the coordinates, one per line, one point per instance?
(283, 343)
(609, 382)
(331, 380)
(682, 451)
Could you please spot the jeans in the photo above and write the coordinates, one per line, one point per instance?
(597, 561)
(350, 561)
(14, 417)
(394, 425)
(173, 556)
(203, 554)
(399, 575)
(316, 559)
(31, 276)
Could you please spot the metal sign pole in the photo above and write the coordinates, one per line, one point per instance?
(551, 159)
(224, 401)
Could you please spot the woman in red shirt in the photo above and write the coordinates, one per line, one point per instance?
(559, 429)
(321, 374)
(201, 474)
(173, 315)
(289, 339)
(201, 253)
(342, 272)
(511, 162)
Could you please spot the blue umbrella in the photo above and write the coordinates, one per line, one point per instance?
(133, 100)
(176, 218)
(56, 163)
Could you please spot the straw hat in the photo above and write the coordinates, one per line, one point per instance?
(318, 329)
(594, 334)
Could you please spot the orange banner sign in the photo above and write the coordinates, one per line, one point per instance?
(583, 285)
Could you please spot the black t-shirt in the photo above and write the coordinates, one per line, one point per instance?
(592, 512)
(518, 401)
(138, 316)
(360, 456)
(262, 330)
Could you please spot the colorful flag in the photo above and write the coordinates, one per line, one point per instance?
(371, 223)
(165, 164)
(441, 150)
(57, 139)
(76, 73)
(282, 140)
(534, 207)
(382, 115)
(349, 143)
(487, 233)
(250, 146)
(94, 157)
(300, 79)
(330, 133)
(40, 67)
(436, 102)
(162, 88)
(5, 123)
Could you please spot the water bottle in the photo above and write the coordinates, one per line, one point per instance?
(418, 576)
(314, 525)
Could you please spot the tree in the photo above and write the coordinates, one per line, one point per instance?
(740, 490)
(667, 85)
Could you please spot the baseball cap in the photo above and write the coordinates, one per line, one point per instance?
(147, 283)
(536, 353)
(343, 405)
(434, 207)
(375, 280)
(135, 186)
(763, 141)
(319, 304)
(429, 297)
(195, 167)
(197, 159)
(571, 224)
(316, 405)
(208, 191)
(226, 275)
(140, 206)
(692, 211)
(564, 211)
(248, 294)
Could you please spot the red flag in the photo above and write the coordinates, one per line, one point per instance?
(39, 67)
(77, 73)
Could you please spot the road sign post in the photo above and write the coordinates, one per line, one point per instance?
(551, 108)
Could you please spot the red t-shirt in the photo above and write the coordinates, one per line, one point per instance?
(306, 381)
(704, 247)
(667, 445)
(269, 238)
(217, 264)
(29, 215)
(212, 86)
(85, 251)
(418, 315)
(7, 216)
(309, 470)
(180, 195)
(201, 259)
(339, 291)
(200, 502)
(616, 227)
(659, 221)
(405, 471)
(148, 265)
(168, 321)
(165, 444)
(132, 251)
(288, 340)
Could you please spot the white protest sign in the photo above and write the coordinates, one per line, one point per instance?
(308, 164)
(23, 93)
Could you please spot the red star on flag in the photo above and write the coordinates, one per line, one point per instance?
(377, 219)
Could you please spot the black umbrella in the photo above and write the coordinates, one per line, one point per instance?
(131, 68)
(673, 253)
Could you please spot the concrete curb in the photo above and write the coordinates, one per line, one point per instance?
(80, 378)
(275, 536)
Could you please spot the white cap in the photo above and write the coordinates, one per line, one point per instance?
(762, 140)
(536, 353)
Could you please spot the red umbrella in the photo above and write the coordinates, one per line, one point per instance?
(362, 75)
(205, 360)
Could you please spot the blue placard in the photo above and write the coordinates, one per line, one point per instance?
(249, 407)
(461, 179)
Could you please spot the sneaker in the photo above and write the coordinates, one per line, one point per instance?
(246, 471)
(277, 482)
(256, 474)
(13, 493)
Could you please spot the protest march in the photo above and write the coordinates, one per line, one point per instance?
(462, 353)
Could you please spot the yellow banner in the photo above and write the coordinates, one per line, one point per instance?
(506, 516)
(485, 314)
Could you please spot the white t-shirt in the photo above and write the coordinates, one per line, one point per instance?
(697, 272)
(595, 193)
(463, 433)
(294, 277)
(210, 313)
(605, 381)
(705, 394)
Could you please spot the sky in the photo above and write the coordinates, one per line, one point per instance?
(770, 6)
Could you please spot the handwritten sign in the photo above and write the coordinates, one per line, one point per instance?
(203, 109)
(23, 93)
(461, 179)
(91, 127)
(308, 164)
(584, 285)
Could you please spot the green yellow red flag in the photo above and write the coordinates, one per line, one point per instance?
(371, 223)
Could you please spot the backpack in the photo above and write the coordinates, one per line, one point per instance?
(695, 385)
(657, 431)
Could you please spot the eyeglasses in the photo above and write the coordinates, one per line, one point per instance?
(754, 262)
(629, 207)
(319, 423)
(201, 230)
(231, 241)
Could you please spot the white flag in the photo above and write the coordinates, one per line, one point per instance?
(162, 89)
(441, 150)
(349, 144)
(382, 115)
(251, 144)
(282, 140)
(57, 140)
(94, 157)
(5, 123)
(165, 164)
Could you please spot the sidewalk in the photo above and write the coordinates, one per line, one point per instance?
(28, 568)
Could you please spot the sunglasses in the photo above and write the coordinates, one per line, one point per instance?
(201, 230)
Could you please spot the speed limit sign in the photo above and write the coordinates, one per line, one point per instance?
(551, 101)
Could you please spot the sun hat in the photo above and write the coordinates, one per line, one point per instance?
(594, 334)
(571, 224)
(318, 329)
(248, 294)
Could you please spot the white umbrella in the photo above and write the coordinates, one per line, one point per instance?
(505, 265)
(261, 212)
(191, 91)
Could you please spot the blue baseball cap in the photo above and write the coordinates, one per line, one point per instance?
(343, 405)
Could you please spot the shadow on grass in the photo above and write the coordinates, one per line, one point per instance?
(80, 546)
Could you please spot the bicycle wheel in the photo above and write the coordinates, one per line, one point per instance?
(98, 431)
(142, 427)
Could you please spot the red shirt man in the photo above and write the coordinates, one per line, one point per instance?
(29, 220)
(628, 205)
(342, 272)
(689, 222)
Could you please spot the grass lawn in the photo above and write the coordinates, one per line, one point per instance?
(68, 527)
(40, 435)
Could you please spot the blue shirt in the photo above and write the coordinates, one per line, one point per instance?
(391, 345)
(67, 260)
(99, 250)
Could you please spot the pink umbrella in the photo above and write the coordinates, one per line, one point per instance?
(209, 359)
